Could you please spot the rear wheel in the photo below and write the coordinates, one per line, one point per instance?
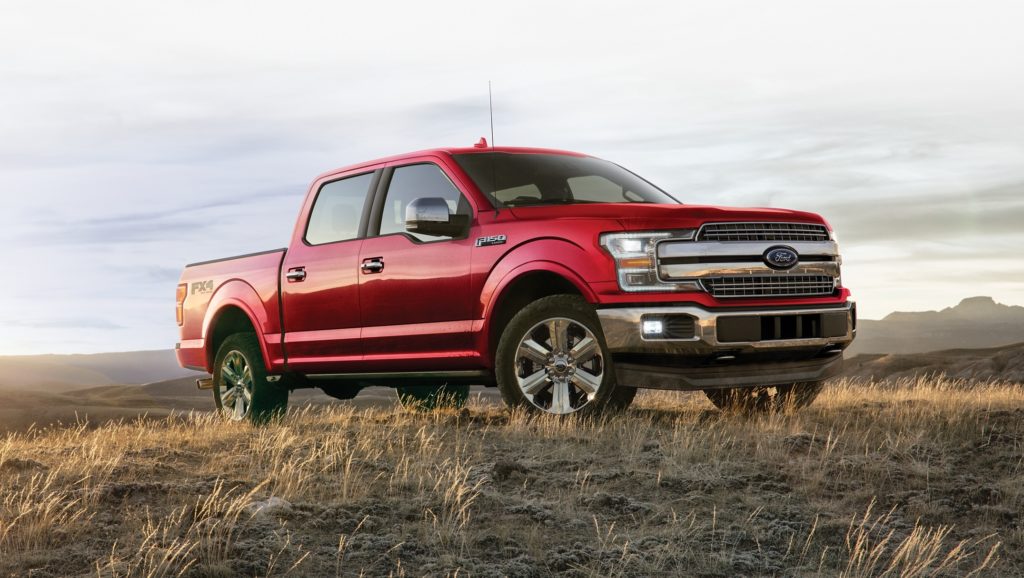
(552, 358)
(765, 399)
(430, 397)
(240, 387)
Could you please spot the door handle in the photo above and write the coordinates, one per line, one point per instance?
(296, 275)
(374, 265)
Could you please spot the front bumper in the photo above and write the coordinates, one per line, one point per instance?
(729, 348)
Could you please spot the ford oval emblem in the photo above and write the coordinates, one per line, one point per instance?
(781, 258)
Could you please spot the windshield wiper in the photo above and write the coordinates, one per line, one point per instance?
(537, 202)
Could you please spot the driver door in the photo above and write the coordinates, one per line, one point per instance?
(414, 289)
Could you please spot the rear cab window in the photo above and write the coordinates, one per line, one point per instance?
(338, 209)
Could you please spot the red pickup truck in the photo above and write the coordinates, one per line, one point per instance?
(564, 280)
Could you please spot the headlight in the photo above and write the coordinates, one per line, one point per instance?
(635, 257)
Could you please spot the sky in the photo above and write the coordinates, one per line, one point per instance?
(136, 136)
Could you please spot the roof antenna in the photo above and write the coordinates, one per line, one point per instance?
(482, 143)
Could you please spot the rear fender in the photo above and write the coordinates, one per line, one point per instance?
(236, 293)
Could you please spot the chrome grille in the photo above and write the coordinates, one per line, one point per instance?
(770, 286)
(762, 232)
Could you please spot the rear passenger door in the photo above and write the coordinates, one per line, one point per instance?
(320, 284)
(416, 305)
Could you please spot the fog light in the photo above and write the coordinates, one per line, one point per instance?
(652, 327)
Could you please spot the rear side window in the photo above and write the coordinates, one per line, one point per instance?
(413, 182)
(337, 210)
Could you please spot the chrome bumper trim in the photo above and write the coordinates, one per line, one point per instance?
(621, 327)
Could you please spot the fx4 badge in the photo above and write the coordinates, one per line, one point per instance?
(201, 287)
(492, 240)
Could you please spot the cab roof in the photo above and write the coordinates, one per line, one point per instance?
(452, 151)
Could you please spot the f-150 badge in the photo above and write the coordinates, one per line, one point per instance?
(492, 240)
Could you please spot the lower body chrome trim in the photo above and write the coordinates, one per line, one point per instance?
(398, 375)
(391, 379)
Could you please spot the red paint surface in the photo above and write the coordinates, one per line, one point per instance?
(429, 309)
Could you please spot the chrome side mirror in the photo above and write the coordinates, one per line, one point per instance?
(431, 216)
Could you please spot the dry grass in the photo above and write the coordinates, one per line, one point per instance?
(922, 479)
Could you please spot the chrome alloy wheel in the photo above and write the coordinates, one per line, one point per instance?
(236, 386)
(559, 365)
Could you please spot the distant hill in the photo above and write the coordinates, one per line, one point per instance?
(58, 373)
(997, 363)
(977, 322)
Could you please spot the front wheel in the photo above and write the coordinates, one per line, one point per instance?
(240, 387)
(552, 358)
(765, 399)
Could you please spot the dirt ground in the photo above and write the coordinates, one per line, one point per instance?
(922, 479)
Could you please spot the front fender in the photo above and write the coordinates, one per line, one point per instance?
(575, 264)
(568, 260)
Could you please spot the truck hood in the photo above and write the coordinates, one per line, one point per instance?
(642, 216)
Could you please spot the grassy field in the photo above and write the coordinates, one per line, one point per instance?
(922, 479)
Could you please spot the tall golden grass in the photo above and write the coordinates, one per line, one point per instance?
(919, 478)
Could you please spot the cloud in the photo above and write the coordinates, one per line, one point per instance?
(160, 139)
(967, 217)
(62, 323)
(189, 219)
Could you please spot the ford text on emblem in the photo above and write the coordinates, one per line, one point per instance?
(781, 258)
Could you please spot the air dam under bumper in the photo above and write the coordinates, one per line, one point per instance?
(706, 349)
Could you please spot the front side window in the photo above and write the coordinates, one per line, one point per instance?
(523, 179)
(413, 182)
(337, 210)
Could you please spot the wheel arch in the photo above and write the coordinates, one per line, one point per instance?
(230, 312)
(522, 286)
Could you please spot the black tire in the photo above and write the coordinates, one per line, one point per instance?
(266, 401)
(431, 397)
(509, 365)
(751, 400)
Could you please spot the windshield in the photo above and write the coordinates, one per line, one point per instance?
(524, 179)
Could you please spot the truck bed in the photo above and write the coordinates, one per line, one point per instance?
(233, 281)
